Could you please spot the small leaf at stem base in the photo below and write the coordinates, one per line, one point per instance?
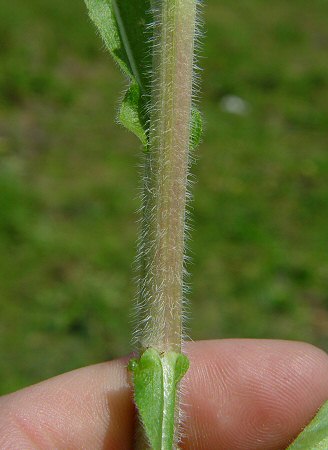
(156, 377)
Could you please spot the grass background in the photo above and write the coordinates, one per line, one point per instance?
(69, 180)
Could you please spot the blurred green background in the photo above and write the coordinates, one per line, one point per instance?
(69, 185)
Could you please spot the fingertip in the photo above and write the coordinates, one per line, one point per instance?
(239, 395)
(246, 394)
(87, 408)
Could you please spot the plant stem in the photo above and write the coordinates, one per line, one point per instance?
(162, 244)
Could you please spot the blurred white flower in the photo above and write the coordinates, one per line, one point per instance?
(234, 105)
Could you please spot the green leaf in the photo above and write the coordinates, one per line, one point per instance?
(124, 26)
(156, 378)
(315, 435)
(131, 113)
(196, 128)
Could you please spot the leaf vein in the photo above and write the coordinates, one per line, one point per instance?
(126, 44)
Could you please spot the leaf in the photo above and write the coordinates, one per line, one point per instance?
(155, 379)
(131, 113)
(315, 435)
(196, 128)
(124, 26)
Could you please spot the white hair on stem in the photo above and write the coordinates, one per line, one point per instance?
(165, 219)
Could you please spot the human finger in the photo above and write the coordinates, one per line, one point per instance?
(238, 394)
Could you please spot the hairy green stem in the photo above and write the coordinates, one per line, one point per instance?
(162, 243)
(164, 103)
(166, 167)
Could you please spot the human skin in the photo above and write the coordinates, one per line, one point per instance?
(237, 395)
